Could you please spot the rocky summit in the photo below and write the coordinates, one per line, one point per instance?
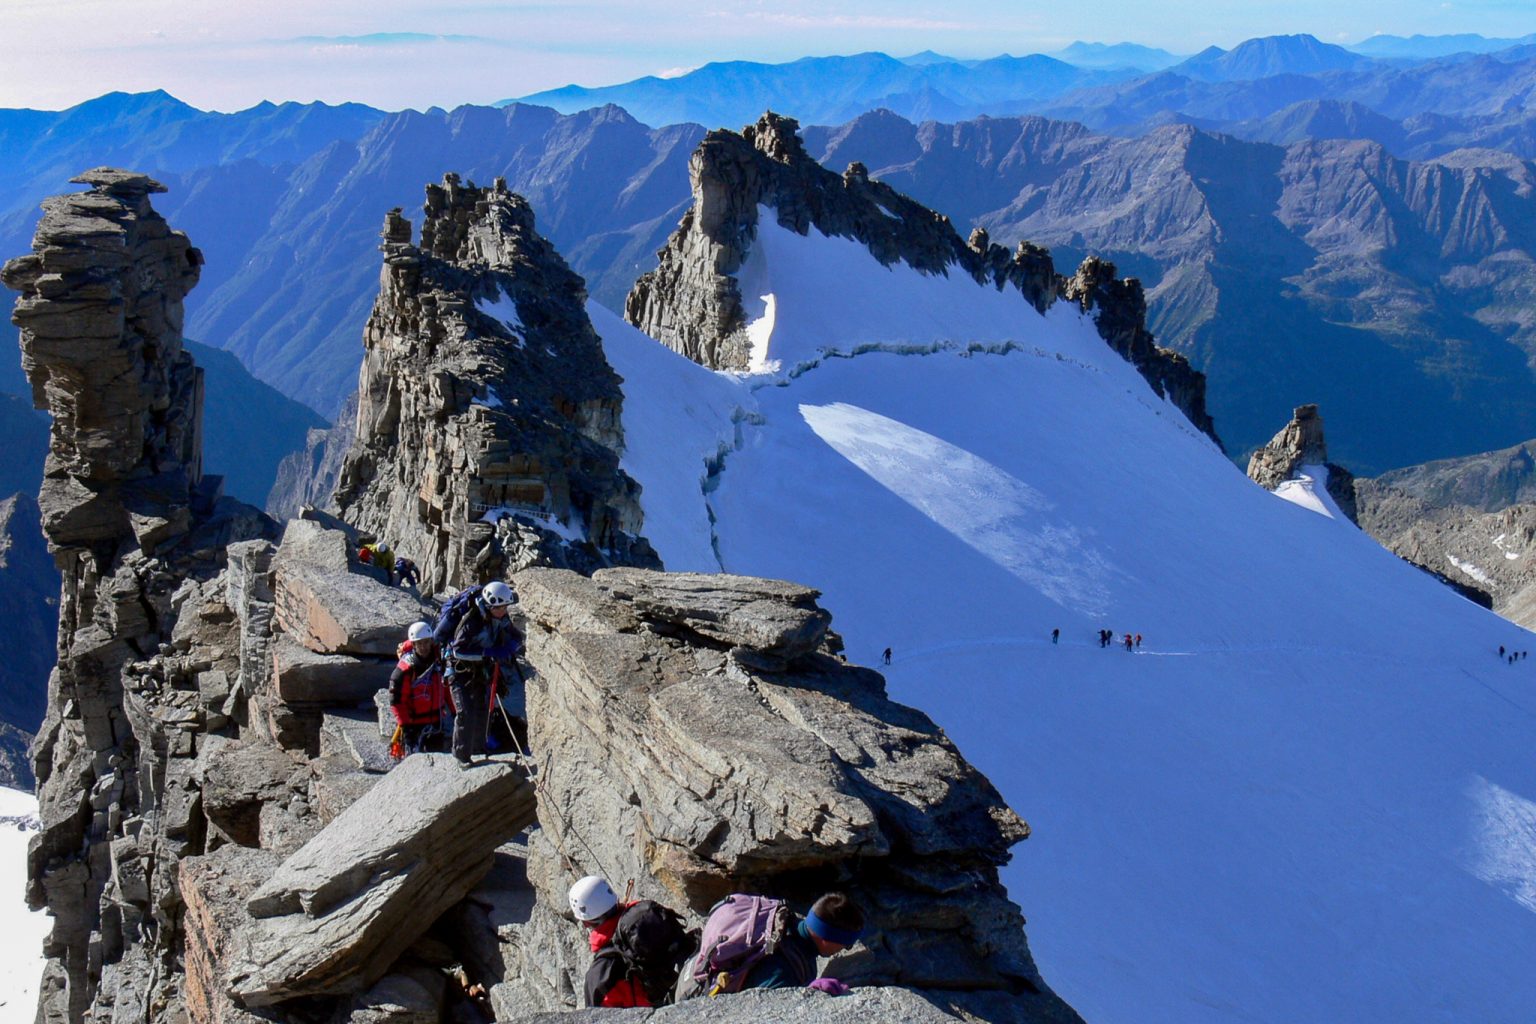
(1301, 443)
(488, 423)
(225, 838)
(692, 303)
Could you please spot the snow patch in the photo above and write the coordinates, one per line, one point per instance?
(998, 515)
(21, 966)
(1502, 851)
(1469, 568)
(503, 310)
(1308, 489)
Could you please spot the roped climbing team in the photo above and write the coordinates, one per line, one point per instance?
(644, 956)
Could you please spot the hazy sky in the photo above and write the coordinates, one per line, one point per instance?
(411, 53)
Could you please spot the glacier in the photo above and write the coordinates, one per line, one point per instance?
(1308, 795)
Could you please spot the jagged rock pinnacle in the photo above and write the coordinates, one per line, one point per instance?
(692, 303)
(1301, 443)
(487, 412)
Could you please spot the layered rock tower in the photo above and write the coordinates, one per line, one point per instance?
(130, 520)
(693, 305)
(488, 422)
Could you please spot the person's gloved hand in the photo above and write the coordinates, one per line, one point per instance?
(831, 986)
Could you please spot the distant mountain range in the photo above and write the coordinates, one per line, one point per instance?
(1291, 266)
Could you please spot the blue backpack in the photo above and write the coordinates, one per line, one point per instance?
(452, 614)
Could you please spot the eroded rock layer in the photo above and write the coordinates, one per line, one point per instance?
(691, 302)
(488, 423)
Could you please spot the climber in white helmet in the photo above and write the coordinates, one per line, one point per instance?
(483, 639)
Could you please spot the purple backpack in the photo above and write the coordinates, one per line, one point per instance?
(741, 930)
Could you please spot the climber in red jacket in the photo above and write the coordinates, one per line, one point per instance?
(418, 696)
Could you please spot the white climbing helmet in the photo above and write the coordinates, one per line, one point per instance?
(419, 631)
(383, 546)
(496, 594)
(591, 898)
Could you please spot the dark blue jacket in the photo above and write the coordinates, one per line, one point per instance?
(482, 636)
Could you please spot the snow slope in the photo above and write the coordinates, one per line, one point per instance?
(1308, 796)
(21, 931)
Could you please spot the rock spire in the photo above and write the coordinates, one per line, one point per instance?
(488, 423)
(692, 303)
(131, 522)
(1301, 443)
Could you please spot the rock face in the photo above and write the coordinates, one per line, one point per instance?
(700, 735)
(29, 597)
(338, 912)
(135, 531)
(692, 303)
(1301, 443)
(488, 422)
(309, 477)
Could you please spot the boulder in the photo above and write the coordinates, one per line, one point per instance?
(333, 918)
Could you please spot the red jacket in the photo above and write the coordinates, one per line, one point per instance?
(607, 982)
(417, 693)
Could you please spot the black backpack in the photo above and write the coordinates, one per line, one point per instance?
(653, 943)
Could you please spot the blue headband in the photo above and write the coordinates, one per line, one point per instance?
(830, 932)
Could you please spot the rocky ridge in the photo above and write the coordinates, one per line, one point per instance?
(1301, 443)
(692, 304)
(223, 842)
(488, 423)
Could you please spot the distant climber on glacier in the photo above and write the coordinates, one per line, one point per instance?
(418, 696)
(734, 950)
(885, 658)
(483, 639)
(1055, 635)
(637, 947)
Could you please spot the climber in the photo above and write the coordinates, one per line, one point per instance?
(377, 554)
(750, 924)
(1055, 635)
(1127, 641)
(417, 694)
(483, 637)
(406, 570)
(636, 947)
(885, 657)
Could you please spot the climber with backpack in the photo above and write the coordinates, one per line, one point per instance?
(479, 635)
(637, 947)
(758, 942)
(418, 696)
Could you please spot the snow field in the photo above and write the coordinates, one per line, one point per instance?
(21, 931)
(1307, 797)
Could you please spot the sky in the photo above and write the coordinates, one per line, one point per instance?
(412, 53)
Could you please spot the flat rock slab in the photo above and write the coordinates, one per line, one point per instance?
(306, 677)
(771, 617)
(354, 734)
(342, 612)
(336, 914)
